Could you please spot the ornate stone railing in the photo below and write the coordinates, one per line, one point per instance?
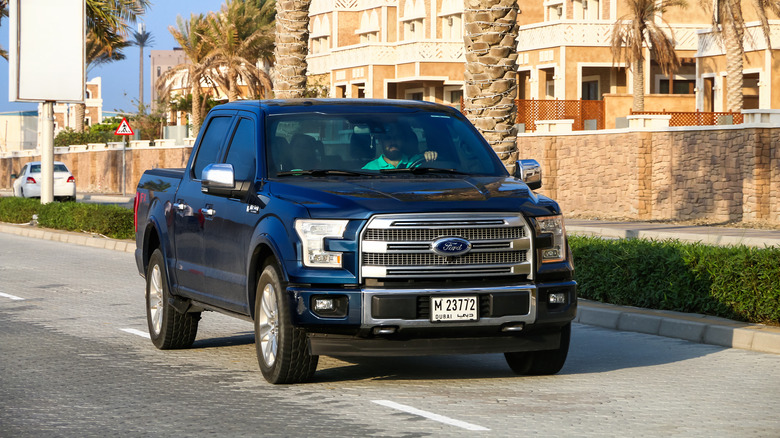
(590, 34)
(385, 54)
(710, 43)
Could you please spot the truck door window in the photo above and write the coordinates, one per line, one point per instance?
(208, 151)
(242, 152)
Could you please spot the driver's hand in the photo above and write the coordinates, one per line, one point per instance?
(430, 155)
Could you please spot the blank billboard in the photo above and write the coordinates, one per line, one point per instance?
(46, 50)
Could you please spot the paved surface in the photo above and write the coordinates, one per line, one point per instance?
(75, 361)
(692, 327)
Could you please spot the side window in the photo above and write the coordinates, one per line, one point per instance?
(243, 151)
(208, 151)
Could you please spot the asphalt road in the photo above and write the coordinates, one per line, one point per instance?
(75, 361)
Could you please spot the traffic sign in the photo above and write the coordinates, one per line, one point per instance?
(124, 128)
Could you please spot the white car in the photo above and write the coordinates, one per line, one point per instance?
(28, 183)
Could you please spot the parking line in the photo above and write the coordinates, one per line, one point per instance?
(12, 297)
(137, 333)
(429, 415)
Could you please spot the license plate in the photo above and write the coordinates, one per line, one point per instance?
(454, 309)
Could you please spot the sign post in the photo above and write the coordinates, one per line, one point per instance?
(125, 130)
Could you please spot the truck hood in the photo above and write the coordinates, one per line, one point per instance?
(362, 197)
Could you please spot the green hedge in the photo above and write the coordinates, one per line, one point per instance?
(108, 220)
(733, 282)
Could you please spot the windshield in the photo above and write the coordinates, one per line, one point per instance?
(373, 144)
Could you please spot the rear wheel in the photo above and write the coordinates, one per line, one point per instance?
(541, 363)
(282, 350)
(168, 328)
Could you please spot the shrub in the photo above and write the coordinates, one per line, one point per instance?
(18, 210)
(733, 282)
(108, 220)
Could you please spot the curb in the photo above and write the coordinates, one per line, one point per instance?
(687, 326)
(690, 327)
(83, 239)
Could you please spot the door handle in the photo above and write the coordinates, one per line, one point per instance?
(180, 205)
(208, 211)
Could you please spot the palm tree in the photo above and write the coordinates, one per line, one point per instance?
(99, 53)
(292, 41)
(638, 28)
(491, 60)
(3, 13)
(729, 19)
(141, 38)
(194, 72)
(235, 35)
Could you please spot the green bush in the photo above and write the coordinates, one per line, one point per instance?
(18, 210)
(733, 282)
(109, 220)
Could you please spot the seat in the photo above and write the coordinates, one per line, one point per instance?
(360, 149)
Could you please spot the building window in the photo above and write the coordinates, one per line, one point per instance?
(414, 19)
(681, 86)
(159, 71)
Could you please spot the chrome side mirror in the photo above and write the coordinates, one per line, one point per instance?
(218, 176)
(530, 172)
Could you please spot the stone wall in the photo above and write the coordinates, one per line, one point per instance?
(715, 174)
(99, 170)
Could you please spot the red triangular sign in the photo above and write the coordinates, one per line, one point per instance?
(124, 128)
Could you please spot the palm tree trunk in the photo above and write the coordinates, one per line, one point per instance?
(195, 114)
(490, 76)
(733, 39)
(141, 79)
(80, 111)
(639, 85)
(292, 40)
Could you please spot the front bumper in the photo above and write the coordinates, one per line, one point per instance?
(382, 321)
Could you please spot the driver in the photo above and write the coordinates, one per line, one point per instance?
(393, 156)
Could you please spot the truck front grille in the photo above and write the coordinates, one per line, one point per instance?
(402, 246)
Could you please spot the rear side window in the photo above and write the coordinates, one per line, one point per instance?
(243, 151)
(208, 151)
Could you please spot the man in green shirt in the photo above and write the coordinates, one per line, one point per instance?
(393, 156)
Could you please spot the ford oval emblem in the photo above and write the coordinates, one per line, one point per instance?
(451, 246)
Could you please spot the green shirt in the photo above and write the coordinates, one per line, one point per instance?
(380, 163)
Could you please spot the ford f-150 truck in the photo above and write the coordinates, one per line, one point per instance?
(353, 227)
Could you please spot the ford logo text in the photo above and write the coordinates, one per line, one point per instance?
(451, 246)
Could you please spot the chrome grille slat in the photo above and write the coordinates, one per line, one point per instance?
(430, 234)
(430, 259)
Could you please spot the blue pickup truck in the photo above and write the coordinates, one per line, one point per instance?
(351, 227)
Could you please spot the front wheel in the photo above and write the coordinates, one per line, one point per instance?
(541, 363)
(168, 328)
(282, 350)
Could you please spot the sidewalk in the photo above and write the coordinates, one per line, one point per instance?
(710, 235)
(690, 327)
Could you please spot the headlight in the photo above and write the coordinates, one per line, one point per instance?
(313, 233)
(552, 225)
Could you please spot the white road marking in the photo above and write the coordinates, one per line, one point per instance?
(137, 333)
(12, 297)
(429, 415)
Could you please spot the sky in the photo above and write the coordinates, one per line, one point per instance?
(120, 78)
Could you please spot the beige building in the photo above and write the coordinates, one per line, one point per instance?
(414, 49)
(405, 49)
(65, 113)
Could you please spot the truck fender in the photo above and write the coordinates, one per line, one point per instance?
(264, 245)
(160, 230)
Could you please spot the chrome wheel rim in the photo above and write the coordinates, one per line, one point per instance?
(268, 325)
(156, 299)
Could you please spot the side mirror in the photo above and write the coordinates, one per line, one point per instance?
(219, 179)
(530, 172)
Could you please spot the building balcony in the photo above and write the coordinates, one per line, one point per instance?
(587, 34)
(385, 54)
(710, 43)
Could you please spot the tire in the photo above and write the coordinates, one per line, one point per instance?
(168, 328)
(541, 363)
(282, 350)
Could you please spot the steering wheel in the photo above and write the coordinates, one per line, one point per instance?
(416, 163)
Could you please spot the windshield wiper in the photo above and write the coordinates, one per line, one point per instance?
(322, 172)
(424, 170)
